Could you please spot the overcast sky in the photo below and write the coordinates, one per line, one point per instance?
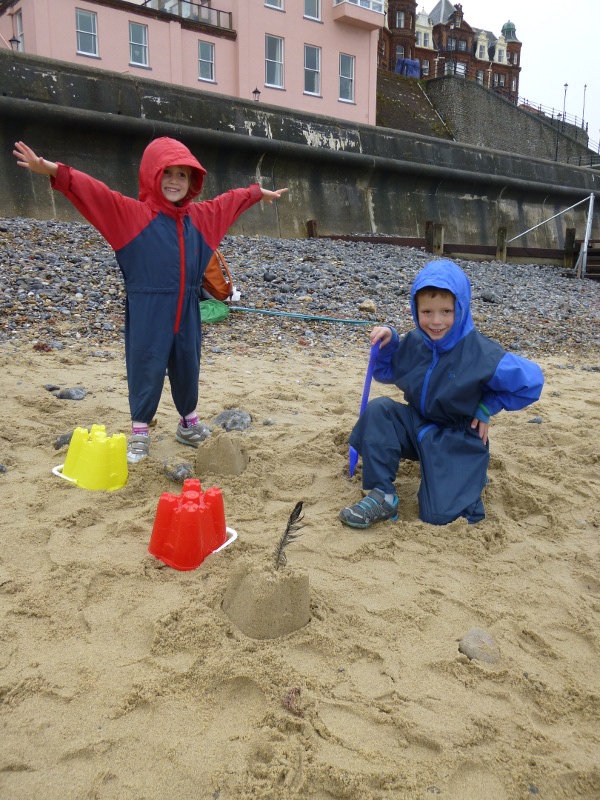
(560, 45)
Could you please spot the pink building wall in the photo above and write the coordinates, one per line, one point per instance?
(49, 31)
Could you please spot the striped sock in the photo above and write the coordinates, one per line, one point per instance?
(190, 420)
(140, 429)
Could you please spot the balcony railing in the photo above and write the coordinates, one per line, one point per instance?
(196, 12)
(372, 5)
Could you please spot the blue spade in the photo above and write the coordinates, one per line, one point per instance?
(353, 455)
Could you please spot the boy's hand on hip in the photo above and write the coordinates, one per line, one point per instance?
(483, 429)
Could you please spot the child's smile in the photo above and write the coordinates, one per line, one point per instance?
(436, 316)
(175, 183)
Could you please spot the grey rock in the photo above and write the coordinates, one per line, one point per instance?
(178, 471)
(76, 393)
(477, 644)
(233, 420)
(62, 440)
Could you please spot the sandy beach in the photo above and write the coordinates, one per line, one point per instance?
(124, 679)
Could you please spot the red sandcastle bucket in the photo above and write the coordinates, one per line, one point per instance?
(190, 526)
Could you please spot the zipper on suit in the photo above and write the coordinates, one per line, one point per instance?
(181, 273)
(434, 360)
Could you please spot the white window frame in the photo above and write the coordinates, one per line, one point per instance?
(312, 72)
(418, 36)
(399, 51)
(208, 63)
(312, 9)
(278, 4)
(500, 56)
(274, 63)
(481, 53)
(426, 40)
(19, 32)
(400, 19)
(347, 77)
(479, 77)
(92, 16)
(425, 67)
(143, 46)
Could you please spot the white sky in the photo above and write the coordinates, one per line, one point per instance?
(559, 46)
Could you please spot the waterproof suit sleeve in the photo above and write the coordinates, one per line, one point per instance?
(215, 217)
(118, 218)
(383, 371)
(516, 383)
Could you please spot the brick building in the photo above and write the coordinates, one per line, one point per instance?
(443, 42)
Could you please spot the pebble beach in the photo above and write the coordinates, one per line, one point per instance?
(61, 285)
(408, 661)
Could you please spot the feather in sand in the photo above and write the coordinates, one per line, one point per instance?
(290, 533)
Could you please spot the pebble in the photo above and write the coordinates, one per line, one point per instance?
(76, 393)
(233, 420)
(61, 287)
(479, 645)
(178, 471)
(62, 440)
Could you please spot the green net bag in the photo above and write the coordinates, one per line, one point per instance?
(213, 311)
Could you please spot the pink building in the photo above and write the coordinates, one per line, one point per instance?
(318, 56)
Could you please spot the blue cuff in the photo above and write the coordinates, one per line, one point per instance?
(482, 413)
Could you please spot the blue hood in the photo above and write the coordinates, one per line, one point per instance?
(446, 275)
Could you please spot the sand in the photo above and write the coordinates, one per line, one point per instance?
(123, 678)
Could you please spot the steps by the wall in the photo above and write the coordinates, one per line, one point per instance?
(402, 105)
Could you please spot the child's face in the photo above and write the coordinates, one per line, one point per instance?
(435, 315)
(175, 183)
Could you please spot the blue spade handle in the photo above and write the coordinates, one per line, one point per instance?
(353, 455)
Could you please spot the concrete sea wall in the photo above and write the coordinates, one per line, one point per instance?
(350, 178)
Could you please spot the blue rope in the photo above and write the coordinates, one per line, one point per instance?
(303, 316)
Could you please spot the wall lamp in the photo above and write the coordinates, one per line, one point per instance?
(256, 94)
(14, 42)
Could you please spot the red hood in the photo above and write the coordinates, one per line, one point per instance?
(162, 153)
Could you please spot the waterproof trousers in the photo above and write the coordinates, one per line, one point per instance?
(453, 460)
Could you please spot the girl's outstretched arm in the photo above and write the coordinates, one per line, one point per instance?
(270, 196)
(28, 159)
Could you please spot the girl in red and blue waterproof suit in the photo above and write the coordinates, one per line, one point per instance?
(453, 379)
(163, 242)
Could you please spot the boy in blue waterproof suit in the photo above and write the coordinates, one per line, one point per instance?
(454, 379)
(163, 242)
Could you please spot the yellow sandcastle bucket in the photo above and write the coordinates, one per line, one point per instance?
(95, 460)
